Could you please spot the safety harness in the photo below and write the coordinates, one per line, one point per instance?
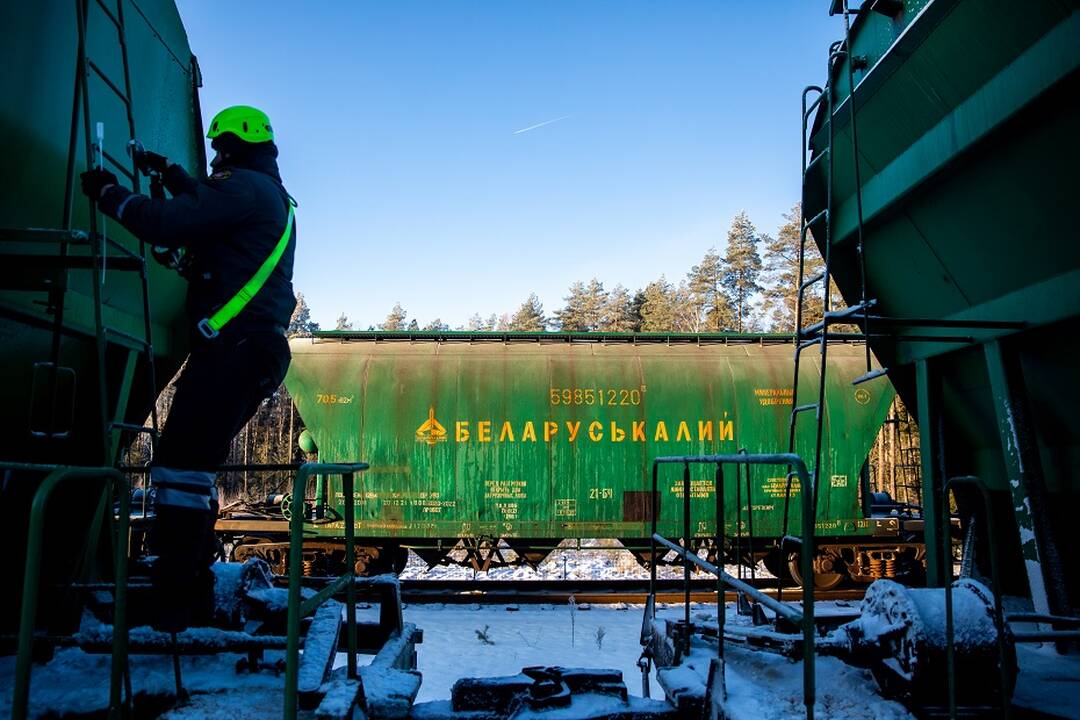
(211, 327)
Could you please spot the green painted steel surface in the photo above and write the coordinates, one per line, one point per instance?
(38, 70)
(37, 73)
(541, 437)
(968, 148)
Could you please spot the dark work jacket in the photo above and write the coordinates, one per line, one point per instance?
(229, 223)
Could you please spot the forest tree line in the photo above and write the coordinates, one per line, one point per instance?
(751, 287)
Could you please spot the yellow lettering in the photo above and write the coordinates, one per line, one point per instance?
(727, 430)
(529, 433)
(596, 431)
(704, 430)
(483, 431)
(637, 430)
(683, 433)
(661, 432)
(461, 430)
(550, 428)
(617, 433)
(507, 432)
(574, 428)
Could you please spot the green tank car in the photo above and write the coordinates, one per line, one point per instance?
(78, 380)
(533, 439)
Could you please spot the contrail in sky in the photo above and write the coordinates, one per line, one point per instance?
(539, 125)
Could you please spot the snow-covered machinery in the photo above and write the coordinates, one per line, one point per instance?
(915, 646)
(911, 643)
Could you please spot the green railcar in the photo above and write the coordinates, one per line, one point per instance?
(538, 438)
(964, 122)
(75, 363)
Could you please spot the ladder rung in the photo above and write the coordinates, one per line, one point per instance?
(43, 235)
(105, 79)
(132, 427)
(853, 309)
(815, 160)
(834, 315)
(810, 281)
(872, 375)
(817, 217)
(808, 344)
(129, 337)
(804, 408)
(135, 257)
(110, 15)
(70, 262)
(119, 166)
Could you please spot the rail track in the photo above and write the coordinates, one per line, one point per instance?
(597, 592)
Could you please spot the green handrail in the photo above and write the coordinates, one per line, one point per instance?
(995, 586)
(296, 548)
(113, 480)
(806, 617)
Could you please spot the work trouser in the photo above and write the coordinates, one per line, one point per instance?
(218, 391)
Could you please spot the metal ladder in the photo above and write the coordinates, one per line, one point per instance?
(105, 255)
(817, 334)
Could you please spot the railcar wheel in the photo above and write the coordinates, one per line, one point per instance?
(826, 576)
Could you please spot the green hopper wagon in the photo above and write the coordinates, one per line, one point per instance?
(535, 438)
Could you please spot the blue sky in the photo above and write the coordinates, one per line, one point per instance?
(396, 123)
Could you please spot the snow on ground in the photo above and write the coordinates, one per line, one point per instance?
(531, 635)
(78, 682)
(760, 685)
(597, 560)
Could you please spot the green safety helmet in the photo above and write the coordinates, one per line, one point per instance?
(247, 123)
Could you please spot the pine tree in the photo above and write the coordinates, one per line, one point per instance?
(705, 286)
(301, 324)
(620, 315)
(781, 276)
(395, 320)
(413, 326)
(569, 317)
(494, 322)
(742, 268)
(659, 307)
(436, 325)
(529, 317)
(635, 310)
(585, 306)
(476, 323)
(343, 323)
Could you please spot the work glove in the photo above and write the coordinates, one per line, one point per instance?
(95, 180)
(169, 257)
(148, 162)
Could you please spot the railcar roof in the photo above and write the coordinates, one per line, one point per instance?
(557, 337)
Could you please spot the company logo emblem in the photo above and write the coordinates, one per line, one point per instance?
(862, 396)
(431, 431)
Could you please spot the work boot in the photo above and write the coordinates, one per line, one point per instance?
(182, 539)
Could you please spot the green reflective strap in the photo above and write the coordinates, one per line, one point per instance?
(210, 327)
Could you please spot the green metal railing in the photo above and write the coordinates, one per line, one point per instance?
(115, 485)
(803, 617)
(995, 586)
(298, 607)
